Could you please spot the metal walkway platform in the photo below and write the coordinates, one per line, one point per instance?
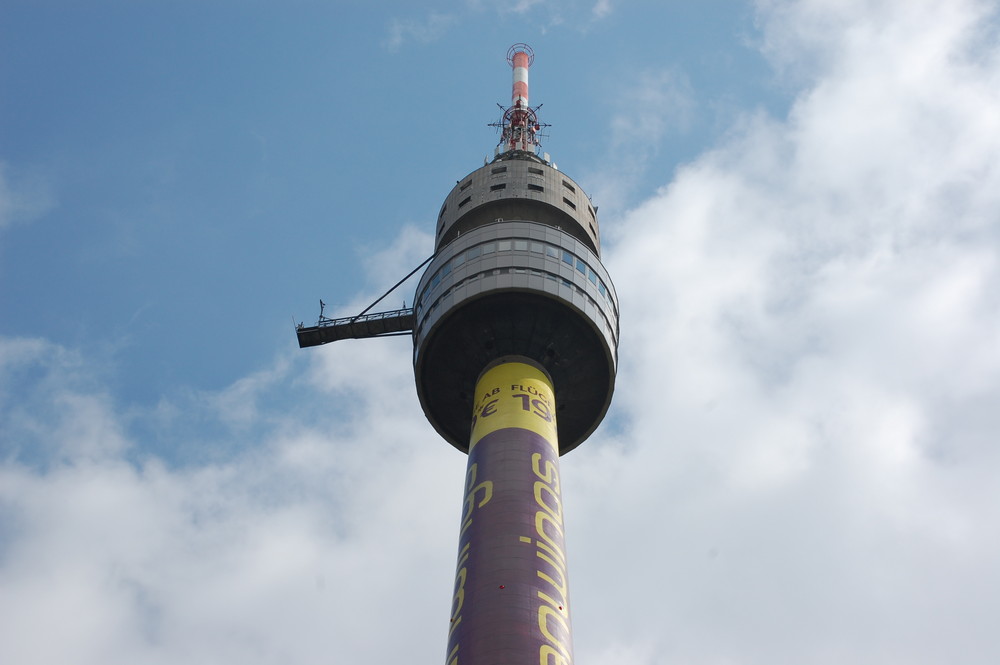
(395, 322)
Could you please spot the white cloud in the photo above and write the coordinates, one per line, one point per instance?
(22, 199)
(808, 360)
(800, 465)
(602, 9)
(544, 15)
(655, 104)
(285, 546)
(287, 550)
(429, 29)
(53, 406)
(648, 107)
(520, 6)
(388, 265)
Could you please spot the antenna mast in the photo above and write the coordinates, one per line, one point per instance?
(520, 124)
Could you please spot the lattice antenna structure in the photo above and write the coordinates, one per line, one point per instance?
(519, 126)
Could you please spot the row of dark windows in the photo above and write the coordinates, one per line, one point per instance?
(497, 170)
(531, 186)
(501, 186)
(602, 320)
(518, 245)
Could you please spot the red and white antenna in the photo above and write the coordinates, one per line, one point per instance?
(520, 57)
(520, 122)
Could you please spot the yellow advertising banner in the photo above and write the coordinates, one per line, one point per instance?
(514, 394)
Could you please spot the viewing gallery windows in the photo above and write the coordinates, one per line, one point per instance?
(602, 321)
(517, 245)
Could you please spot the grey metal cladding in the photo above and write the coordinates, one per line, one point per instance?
(447, 283)
(518, 188)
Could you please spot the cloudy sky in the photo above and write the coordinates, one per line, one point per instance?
(800, 205)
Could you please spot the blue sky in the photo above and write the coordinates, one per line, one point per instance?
(799, 205)
(221, 166)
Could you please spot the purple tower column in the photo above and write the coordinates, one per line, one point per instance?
(511, 602)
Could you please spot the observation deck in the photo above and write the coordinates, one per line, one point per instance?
(516, 271)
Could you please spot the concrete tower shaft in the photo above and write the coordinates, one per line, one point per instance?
(511, 598)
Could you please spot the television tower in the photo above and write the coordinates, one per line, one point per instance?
(515, 329)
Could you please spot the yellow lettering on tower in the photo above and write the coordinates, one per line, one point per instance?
(548, 656)
(545, 613)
